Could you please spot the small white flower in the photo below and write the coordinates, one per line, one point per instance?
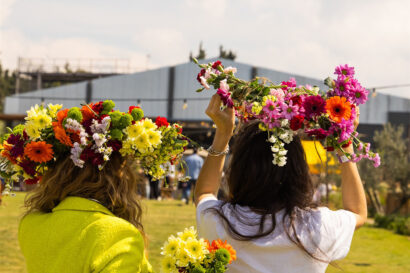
(224, 85)
(283, 152)
(230, 69)
(106, 158)
(204, 82)
(272, 139)
(284, 123)
(275, 149)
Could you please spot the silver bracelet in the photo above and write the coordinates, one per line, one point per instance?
(212, 152)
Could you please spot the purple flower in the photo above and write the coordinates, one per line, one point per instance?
(343, 86)
(344, 70)
(271, 109)
(289, 84)
(346, 128)
(358, 94)
(225, 97)
(376, 160)
(289, 110)
(314, 106)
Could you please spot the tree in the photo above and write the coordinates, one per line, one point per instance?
(230, 55)
(7, 85)
(201, 54)
(372, 178)
(395, 164)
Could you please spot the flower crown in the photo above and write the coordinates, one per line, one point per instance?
(92, 133)
(285, 109)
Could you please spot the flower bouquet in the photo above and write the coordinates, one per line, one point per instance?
(186, 253)
(283, 109)
(90, 134)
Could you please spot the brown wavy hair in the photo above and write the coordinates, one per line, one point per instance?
(253, 181)
(115, 187)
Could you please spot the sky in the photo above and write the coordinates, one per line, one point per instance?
(305, 37)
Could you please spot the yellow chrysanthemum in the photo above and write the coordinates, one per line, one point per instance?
(256, 108)
(42, 120)
(126, 148)
(148, 124)
(32, 129)
(168, 265)
(187, 234)
(266, 98)
(34, 111)
(53, 109)
(141, 143)
(183, 258)
(154, 137)
(171, 246)
(134, 130)
(195, 249)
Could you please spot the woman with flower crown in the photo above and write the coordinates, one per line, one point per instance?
(269, 217)
(85, 215)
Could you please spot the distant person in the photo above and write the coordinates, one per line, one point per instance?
(194, 164)
(154, 191)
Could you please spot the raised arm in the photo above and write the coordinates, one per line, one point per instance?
(354, 198)
(210, 176)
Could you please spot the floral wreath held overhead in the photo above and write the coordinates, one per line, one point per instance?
(287, 108)
(90, 134)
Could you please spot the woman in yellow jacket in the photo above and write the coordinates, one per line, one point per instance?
(84, 220)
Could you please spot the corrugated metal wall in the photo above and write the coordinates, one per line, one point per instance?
(153, 89)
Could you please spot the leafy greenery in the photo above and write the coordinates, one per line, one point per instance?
(399, 224)
(394, 151)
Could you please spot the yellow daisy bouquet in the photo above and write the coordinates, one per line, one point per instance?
(90, 134)
(186, 253)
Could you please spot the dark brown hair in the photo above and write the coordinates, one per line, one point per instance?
(265, 188)
(115, 186)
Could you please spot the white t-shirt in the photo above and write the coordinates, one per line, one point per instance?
(331, 231)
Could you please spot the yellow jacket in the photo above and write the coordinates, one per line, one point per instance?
(81, 235)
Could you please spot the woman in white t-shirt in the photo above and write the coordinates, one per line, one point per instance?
(269, 217)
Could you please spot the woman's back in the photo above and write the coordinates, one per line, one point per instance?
(326, 234)
(81, 235)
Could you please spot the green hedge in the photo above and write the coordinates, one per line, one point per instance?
(399, 224)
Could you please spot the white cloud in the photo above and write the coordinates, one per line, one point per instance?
(5, 9)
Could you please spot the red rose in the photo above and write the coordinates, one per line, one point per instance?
(160, 121)
(31, 181)
(330, 149)
(347, 144)
(132, 108)
(98, 107)
(296, 122)
(116, 145)
(297, 100)
(179, 129)
(216, 64)
(200, 74)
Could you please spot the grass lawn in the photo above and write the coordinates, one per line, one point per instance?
(373, 250)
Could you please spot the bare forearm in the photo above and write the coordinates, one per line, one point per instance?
(353, 195)
(210, 176)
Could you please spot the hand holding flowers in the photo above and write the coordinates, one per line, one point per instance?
(287, 108)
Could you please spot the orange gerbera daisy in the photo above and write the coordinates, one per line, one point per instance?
(61, 134)
(338, 108)
(87, 112)
(61, 115)
(39, 151)
(217, 244)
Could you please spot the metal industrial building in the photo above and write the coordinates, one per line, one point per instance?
(170, 92)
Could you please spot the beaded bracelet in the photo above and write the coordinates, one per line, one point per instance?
(212, 152)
